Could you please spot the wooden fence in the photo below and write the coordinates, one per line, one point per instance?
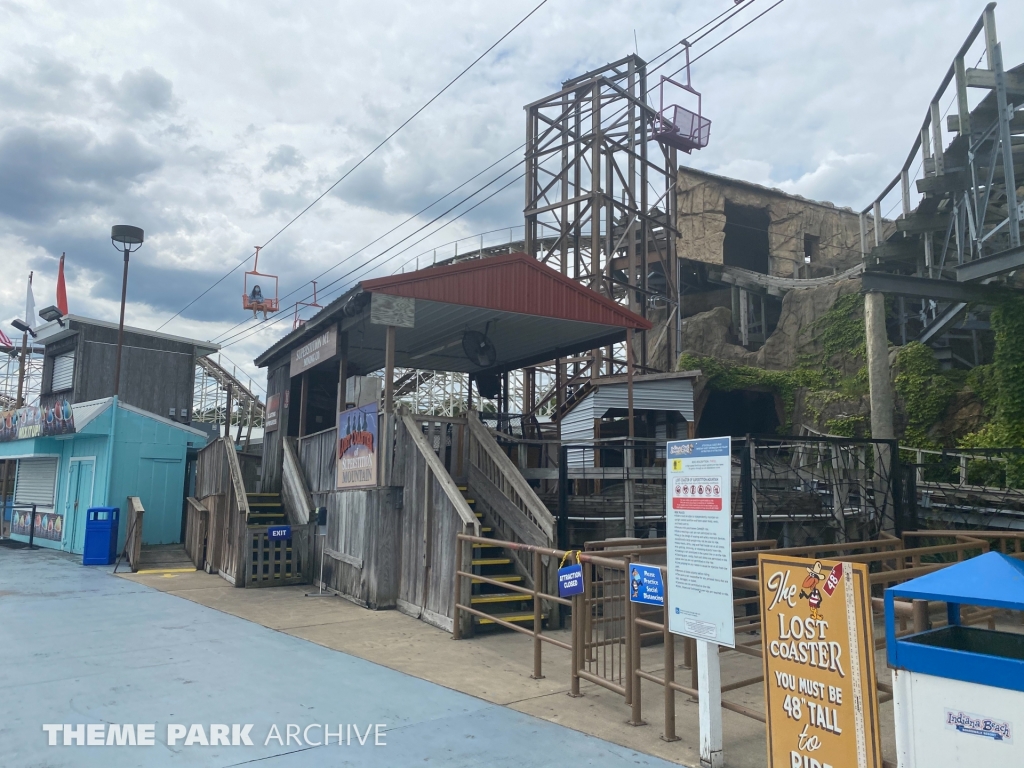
(278, 563)
(197, 526)
(133, 540)
(220, 491)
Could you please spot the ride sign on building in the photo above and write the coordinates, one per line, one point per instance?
(821, 703)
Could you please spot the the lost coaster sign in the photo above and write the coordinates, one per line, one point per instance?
(819, 672)
(646, 585)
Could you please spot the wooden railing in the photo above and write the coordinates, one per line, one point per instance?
(298, 503)
(434, 513)
(521, 515)
(133, 542)
(197, 526)
(219, 489)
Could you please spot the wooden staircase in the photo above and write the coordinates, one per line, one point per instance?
(266, 509)
(492, 562)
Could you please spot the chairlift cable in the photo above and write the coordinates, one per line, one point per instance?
(369, 154)
(242, 335)
(731, 12)
(390, 231)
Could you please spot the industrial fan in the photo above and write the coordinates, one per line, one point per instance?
(479, 349)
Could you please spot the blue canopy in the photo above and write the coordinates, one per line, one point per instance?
(993, 579)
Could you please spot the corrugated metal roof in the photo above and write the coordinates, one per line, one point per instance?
(657, 392)
(510, 283)
(530, 312)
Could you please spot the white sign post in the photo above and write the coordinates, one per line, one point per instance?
(698, 514)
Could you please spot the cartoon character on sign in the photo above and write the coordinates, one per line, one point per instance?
(813, 595)
(635, 584)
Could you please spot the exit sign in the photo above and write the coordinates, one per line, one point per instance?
(279, 532)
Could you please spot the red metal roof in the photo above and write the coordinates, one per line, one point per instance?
(511, 283)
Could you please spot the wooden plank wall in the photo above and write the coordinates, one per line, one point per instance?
(226, 524)
(361, 545)
(196, 532)
(429, 526)
(278, 382)
(392, 546)
(250, 464)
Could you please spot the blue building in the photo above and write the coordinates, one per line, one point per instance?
(95, 454)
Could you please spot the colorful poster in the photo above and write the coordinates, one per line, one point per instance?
(357, 447)
(821, 702)
(53, 416)
(699, 531)
(48, 525)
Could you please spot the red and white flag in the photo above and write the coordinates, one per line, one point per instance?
(5, 340)
(62, 293)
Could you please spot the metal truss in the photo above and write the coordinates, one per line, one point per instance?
(213, 383)
(964, 232)
(598, 203)
(9, 368)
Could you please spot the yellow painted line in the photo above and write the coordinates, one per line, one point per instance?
(500, 599)
(492, 561)
(506, 579)
(511, 619)
(166, 570)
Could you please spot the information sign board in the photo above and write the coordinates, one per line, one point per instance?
(699, 533)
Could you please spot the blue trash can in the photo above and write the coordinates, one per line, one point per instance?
(100, 536)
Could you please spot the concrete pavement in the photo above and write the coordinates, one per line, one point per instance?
(82, 647)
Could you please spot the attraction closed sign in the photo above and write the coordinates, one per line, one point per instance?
(819, 669)
(315, 351)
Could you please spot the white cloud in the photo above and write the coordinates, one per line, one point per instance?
(212, 125)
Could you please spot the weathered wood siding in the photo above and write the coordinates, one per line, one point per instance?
(225, 500)
(362, 545)
(278, 382)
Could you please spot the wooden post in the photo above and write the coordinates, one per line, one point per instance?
(389, 370)
(303, 403)
(342, 371)
(709, 703)
(227, 411)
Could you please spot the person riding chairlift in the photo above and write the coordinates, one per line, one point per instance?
(256, 301)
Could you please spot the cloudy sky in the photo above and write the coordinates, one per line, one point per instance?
(211, 124)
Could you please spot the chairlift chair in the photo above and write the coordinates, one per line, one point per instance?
(257, 297)
(677, 126)
(298, 321)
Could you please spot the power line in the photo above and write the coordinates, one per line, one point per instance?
(390, 231)
(411, 234)
(731, 34)
(368, 155)
(733, 11)
(242, 335)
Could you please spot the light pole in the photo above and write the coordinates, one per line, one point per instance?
(123, 237)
